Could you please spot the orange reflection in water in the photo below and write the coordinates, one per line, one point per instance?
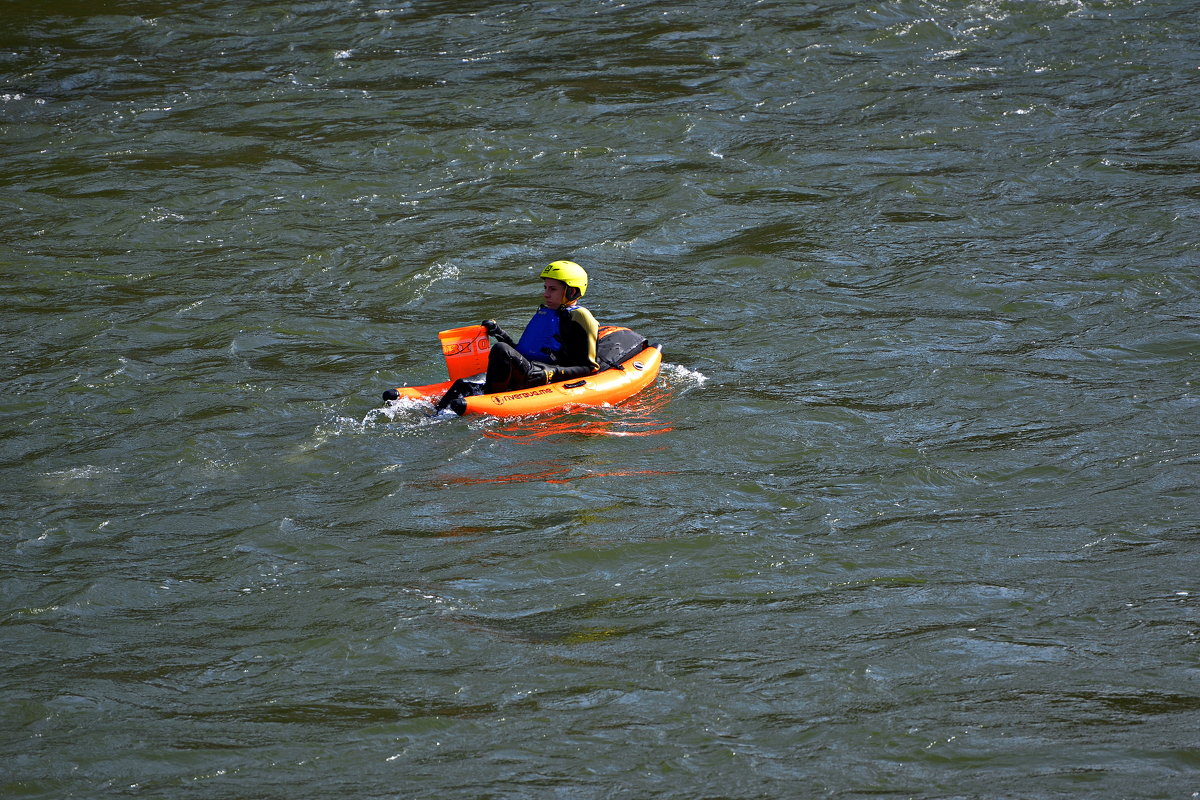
(555, 473)
(635, 417)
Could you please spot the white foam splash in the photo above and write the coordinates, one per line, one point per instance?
(422, 281)
(403, 410)
(677, 374)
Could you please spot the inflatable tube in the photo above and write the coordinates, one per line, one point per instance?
(606, 387)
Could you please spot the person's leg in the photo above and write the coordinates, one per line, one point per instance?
(508, 370)
(461, 388)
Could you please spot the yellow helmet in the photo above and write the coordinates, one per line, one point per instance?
(569, 273)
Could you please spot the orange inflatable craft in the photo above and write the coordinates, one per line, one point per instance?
(466, 352)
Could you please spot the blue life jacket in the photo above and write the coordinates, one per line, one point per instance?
(541, 340)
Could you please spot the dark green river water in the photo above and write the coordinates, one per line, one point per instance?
(910, 512)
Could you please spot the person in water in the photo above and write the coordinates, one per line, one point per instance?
(558, 344)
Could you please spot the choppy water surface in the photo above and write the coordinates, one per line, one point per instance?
(910, 512)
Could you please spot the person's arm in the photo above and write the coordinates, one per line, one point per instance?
(495, 330)
(589, 333)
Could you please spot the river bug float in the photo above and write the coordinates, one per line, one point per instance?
(629, 363)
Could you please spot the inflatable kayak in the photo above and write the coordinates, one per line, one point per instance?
(629, 363)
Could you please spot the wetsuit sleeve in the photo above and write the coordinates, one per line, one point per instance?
(588, 332)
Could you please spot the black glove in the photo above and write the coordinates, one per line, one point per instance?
(495, 330)
(539, 375)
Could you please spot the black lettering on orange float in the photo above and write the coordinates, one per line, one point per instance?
(501, 400)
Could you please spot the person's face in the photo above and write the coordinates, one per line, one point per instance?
(554, 293)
